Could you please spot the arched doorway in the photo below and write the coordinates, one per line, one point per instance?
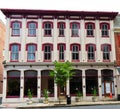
(47, 82)
(91, 81)
(30, 82)
(76, 82)
(13, 84)
(107, 82)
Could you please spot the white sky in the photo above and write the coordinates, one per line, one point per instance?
(78, 5)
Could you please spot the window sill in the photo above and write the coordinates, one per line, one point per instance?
(47, 61)
(75, 36)
(61, 36)
(91, 60)
(31, 35)
(13, 60)
(106, 60)
(15, 35)
(47, 35)
(89, 36)
(30, 60)
(104, 36)
(75, 60)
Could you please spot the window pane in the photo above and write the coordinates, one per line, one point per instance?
(104, 30)
(31, 52)
(91, 52)
(14, 52)
(106, 53)
(75, 52)
(74, 29)
(47, 29)
(61, 52)
(47, 52)
(16, 28)
(61, 29)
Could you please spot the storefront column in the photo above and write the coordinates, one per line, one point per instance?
(115, 83)
(55, 91)
(68, 87)
(84, 84)
(21, 85)
(99, 84)
(5, 86)
(38, 83)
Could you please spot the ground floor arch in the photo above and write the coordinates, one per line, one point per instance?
(83, 80)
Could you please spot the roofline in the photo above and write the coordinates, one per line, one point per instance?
(8, 12)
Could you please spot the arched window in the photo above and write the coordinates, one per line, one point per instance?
(89, 26)
(31, 49)
(47, 82)
(16, 25)
(32, 28)
(74, 29)
(13, 84)
(48, 28)
(106, 48)
(61, 27)
(75, 48)
(61, 48)
(47, 48)
(30, 82)
(91, 52)
(76, 82)
(104, 29)
(14, 49)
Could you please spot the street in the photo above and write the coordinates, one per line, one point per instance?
(88, 107)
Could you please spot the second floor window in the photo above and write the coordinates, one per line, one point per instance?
(31, 49)
(106, 52)
(15, 52)
(47, 52)
(32, 29)
(91, 52)
(15, 28)
(75, 52)
(61, 48)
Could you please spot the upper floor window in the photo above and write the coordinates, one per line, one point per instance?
(90, 52)
(106, 48)
(14, 48)
(61, 48)
(104, 29)
(47, 28)
(31, 49)
(61, 26)
(32, 28)
(75, 48)
(15, 25)
(47, 48)
(90, 29)
(75, 29)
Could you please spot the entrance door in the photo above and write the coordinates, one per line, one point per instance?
(62, 91)
(108, 88)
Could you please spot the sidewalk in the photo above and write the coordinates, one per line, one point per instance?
(63, 104)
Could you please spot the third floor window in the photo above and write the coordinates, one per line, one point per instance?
(16, 25)
(47, 28)
(32, 28)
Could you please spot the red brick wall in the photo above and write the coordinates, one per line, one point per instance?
(117, 46)
(2, 40)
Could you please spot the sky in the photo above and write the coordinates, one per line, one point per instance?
(75, 5)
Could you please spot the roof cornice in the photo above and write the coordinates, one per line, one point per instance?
(24, 12)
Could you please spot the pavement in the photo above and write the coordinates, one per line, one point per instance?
(54, 104)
